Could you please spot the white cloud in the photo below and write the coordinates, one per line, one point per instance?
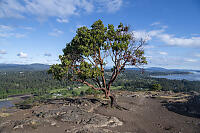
(62, 9)
(141, 34)
(158, 24)
(190, 60)
(27, 28)
(197, 55)
(195, 34)
(43, 8)
(163, 53)
(62, 20)
(153, 33)
(56, 32)
(178, 41)
(168, 39)
(172, 62)
(3, 52)
(149, 57)
(86, 4)
(5, 27)
(11, 8)
(164, 26)
(113, 5)
(149, 46)
(5, 35)
(51, 8)
(16, 35)
(22, 55)
(8, 31)
(109, 5)
(155, 23)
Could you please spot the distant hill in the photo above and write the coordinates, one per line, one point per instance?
(40, 67)
(160, 69)
(19, 67)
(152, 69)
(157, 69)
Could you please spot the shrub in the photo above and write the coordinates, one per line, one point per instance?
(91, 91)
(82, 93)
(155, 87)
(75, 93)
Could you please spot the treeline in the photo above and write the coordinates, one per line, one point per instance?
(35, 82)
(39, 82)
(135, 80)
(178, 85)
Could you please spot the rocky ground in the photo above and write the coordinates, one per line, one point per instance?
(145, 112)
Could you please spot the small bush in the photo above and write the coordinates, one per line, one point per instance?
(91, 91)
(82, 93)
(156, 87)
(75, 93)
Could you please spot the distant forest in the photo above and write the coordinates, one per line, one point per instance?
(39, 82)
(26, 82)
(134, 80)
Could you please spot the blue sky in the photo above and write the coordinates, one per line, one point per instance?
(37, 31)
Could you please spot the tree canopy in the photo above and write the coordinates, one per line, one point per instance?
(84, 58)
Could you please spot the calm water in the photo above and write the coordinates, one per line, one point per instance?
(6, 104)
(195, 76)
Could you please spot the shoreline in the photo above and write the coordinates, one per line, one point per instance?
(12, 100)
(188, 77)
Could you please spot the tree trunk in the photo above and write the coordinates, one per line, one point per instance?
(113, 102)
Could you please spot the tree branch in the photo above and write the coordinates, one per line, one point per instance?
(84, 82)
(102, 69)
(88, 84)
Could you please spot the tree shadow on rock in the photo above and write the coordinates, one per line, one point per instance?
(190, 108)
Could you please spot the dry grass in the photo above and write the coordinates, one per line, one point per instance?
(4, 114)
(179, 97)
(180, 100)
(176, 96)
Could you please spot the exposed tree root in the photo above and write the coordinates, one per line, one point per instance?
(114, 104)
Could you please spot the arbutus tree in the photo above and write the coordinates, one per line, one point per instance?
(86, 56)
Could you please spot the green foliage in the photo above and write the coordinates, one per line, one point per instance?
(91, 91)
(57, 71)
(75, 93)
(28, 82)
(135, 81)
(82, 93)
(85, 57)
(155, 87)
(40, 83)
